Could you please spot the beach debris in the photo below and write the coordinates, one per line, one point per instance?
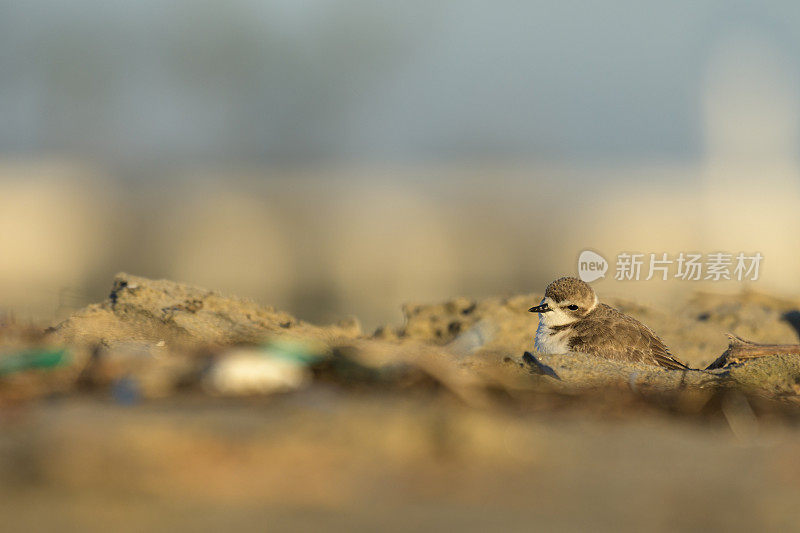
(273, 368)
(740, 350)
(473, 339)
(41, 358)
(126, 391)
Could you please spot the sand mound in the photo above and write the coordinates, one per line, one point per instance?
(140, 309)
(484, 340)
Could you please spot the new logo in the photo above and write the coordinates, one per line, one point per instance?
(591, 266)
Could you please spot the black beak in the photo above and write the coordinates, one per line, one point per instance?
(540, 309)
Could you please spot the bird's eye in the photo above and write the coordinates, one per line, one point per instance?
(572, 307)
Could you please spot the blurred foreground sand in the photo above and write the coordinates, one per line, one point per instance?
(347, 462)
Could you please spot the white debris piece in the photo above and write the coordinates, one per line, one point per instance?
(255, 371)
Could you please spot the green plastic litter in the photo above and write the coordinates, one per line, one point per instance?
(32, 359)
(297, 352)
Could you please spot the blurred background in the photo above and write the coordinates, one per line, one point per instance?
(337, 158)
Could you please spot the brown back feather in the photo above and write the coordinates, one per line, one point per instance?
(613, 335)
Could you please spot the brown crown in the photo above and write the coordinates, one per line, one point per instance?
(568, 287)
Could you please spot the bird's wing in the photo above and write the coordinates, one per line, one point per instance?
(660, 353)
(617, 336)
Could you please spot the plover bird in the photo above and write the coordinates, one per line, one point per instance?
(572, 319)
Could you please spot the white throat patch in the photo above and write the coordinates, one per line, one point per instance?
(556, 317)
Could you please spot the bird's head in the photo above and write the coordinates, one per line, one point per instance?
(565, 301)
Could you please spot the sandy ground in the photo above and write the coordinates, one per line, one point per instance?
(430, 424)
(349, 462)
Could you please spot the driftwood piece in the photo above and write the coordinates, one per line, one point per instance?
(740, 350)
